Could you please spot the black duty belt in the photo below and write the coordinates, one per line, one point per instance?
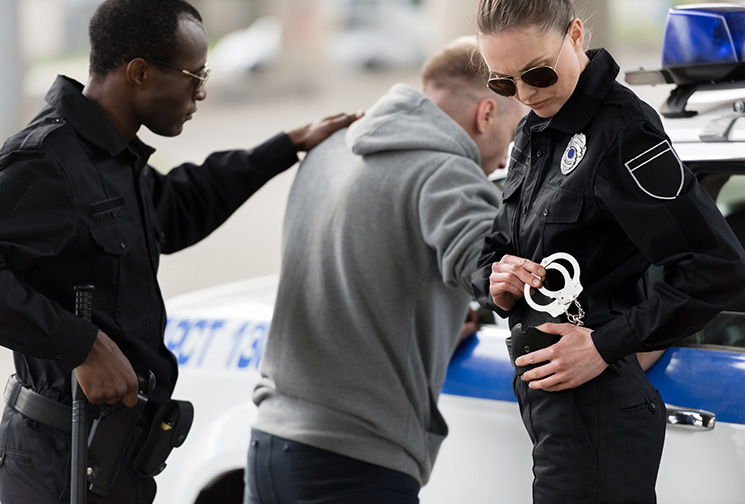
(37, 407)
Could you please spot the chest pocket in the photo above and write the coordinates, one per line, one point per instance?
(561, 211)
(511, 194)
(511, 185)
(115, 237)
(561, 206)
(113, 228)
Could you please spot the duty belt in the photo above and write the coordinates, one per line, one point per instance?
(37, 407)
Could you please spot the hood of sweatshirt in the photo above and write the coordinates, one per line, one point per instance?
(405, 119)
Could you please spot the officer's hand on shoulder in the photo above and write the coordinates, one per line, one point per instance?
(309, 135)
(106, 376)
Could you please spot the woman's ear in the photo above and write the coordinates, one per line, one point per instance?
(576, 34)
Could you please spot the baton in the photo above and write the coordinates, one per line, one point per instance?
(79, 446)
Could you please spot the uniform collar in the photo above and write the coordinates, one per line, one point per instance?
(66, 97)
(592, 87)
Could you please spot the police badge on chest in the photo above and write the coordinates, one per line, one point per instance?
(574, 153)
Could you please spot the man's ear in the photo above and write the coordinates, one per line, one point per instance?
(137, 72)
(486, 114)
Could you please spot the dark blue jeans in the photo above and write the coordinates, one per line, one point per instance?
(281, 471)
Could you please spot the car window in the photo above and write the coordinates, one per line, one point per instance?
(731, 196)
(727, 328)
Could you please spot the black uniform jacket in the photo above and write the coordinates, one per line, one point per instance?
(627, 204)
(79, 205)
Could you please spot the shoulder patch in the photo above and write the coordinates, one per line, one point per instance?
(658, 171)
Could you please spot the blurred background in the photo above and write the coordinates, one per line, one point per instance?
(278, 64)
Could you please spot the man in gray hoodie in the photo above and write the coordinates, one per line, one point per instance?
(384, 224)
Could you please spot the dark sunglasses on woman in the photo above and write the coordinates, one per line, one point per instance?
(540, 77)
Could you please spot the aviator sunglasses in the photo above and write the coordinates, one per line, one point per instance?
(540, 77)
(201, 77)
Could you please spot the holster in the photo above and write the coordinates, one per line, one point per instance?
(113, 437)
(117, 435)
(522, 342)
(168, 430)
(525, 338)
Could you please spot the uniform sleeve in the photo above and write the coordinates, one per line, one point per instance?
(457, 204)
(37, 218)
(495, 246)
(192, 201)
(673, 221)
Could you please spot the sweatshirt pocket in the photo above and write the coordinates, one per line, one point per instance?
(437, 430)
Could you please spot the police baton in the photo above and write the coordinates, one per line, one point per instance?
(78, 478)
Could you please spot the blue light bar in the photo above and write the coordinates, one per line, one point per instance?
(704, 34)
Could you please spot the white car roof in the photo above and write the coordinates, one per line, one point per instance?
(710, 126)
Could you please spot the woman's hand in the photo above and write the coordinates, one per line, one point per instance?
(572, 361)
(508, 278)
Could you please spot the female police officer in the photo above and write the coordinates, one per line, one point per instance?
(593, 175)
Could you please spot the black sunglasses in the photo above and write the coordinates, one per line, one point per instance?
(540, 77)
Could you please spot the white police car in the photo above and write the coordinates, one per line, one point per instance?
(218, 334)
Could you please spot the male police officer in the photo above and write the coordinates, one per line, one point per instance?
(80, 204)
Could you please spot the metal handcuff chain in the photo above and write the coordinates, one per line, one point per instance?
(564, 298)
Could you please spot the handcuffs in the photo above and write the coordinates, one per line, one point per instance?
(566, 297)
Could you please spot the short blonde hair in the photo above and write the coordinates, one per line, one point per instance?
(457, 63)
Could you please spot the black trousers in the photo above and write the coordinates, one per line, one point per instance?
(281, 471)
(599, 443)
(35, 467)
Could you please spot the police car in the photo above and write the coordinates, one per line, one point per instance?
(218, 334)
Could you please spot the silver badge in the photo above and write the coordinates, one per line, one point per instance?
(574, 153)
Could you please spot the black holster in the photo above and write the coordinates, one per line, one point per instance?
(167, 431)
(119, 435)
(525, 338)
(113, 437)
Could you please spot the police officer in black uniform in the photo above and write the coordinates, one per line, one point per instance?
(80, 204)
(594, 175)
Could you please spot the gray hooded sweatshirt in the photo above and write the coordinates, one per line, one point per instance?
(384, 224)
